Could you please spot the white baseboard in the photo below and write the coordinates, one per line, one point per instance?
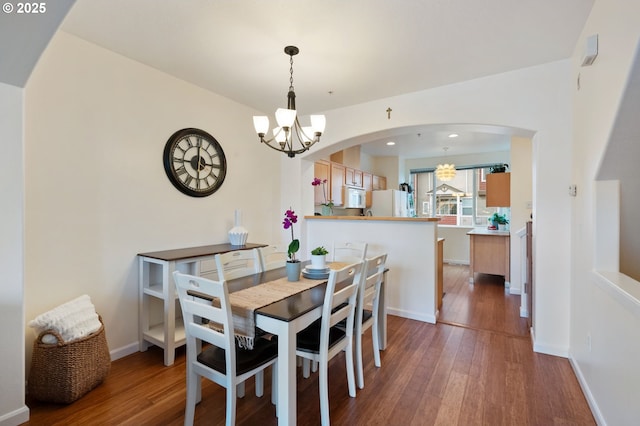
(16, 417)
(431, 319)
(543, 348)
(124, 351)
(593, 405)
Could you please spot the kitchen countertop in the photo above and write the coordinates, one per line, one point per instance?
(484, 231)
(378, 218)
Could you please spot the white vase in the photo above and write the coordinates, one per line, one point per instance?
(318, 261)
(238, 234)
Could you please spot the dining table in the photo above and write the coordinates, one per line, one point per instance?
(285, 318)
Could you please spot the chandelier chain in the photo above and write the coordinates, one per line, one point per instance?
(291, 72)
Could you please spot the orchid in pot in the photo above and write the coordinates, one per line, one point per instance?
(327, 206)
(293, 264)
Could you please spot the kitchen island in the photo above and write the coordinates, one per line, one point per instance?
(490, 252)
(411, 245)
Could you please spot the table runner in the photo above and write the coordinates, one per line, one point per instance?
(245, 302)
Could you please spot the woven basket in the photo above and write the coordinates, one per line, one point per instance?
(65, 371)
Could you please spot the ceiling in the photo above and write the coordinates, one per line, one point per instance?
(351, 51)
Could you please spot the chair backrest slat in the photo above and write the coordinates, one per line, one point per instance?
(272, 257)
(350, 274)
(350, 252)
(195, 310)
(371, 281)
(238, 263)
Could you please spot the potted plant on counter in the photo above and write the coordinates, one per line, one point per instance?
(319, 258)
(293, 264)
(500, 221)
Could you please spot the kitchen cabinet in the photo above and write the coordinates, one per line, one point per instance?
(338, 175)
(490, 253)
(338, 172)
(353, 177)
(498, 190)
(160, 317)
(379, 182)
(322, 170)
(367, 184)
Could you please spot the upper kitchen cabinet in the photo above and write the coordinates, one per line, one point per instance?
(353, 177)
(338, 173)
(498, 190)
(322, 170)
(379, 182)
(367, 184)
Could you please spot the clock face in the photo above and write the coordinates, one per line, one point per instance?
(194, 162)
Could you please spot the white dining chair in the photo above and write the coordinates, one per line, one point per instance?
(238, 263)
(322, 341)
(350, 252)
(221, 361)
(368, 295)
(272, 257)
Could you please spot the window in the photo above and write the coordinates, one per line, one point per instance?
(459, 202)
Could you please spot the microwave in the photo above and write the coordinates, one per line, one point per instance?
(354, 197)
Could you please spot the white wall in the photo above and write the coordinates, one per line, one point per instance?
(535, 99)
(96, 190)
(12, 374)
(521, 199)
(605, 322)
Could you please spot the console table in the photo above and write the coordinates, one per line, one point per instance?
(160, 316)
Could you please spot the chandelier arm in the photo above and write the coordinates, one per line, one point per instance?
(288, 150)
(302, 135)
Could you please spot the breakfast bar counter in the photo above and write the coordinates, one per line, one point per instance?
(411, 246)
(376, 218)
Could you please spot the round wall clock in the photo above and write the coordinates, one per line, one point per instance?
(194, 162)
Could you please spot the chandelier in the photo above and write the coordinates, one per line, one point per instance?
(290, 137)
(445, 172)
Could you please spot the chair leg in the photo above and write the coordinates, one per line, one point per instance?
(193, 381)
(240, 390)
(274, 385)
(260, 383)
(306, 368)
(323, 381)
(231, 402)
(314, 366)
(359, 368)
(376, 343)
(351, 380)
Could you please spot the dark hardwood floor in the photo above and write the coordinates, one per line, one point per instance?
(477, 367)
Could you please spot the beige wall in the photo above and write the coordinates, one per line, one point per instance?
(96, 190)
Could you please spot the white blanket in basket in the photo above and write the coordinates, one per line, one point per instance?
(73, 320)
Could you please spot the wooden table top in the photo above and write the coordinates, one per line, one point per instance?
(287, 309)
(189, 252)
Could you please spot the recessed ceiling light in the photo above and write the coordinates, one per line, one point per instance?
(391, 143)
(453, 135)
